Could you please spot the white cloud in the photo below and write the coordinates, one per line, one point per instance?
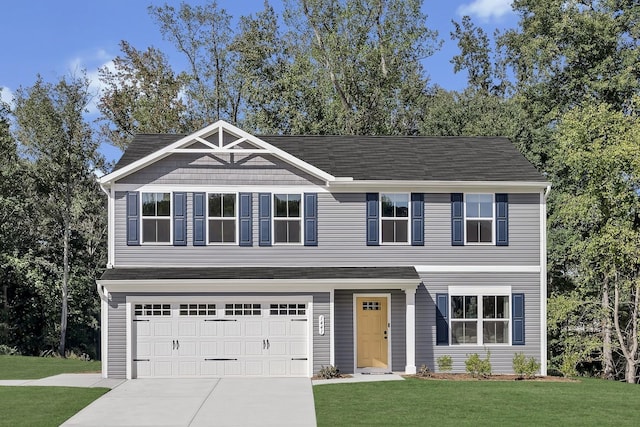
(6, 95)
(486, 9)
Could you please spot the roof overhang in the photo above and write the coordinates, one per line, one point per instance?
(345, 185)
(222, 128)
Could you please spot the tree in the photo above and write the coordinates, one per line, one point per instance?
(60, 144)
(597, 164)
(141, 95)
(203, 35)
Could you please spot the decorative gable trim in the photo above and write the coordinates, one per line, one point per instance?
(244, 143)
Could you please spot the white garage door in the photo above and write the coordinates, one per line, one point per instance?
(220, 339)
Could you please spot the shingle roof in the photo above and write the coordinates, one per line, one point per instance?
(274, 273)
(388, 157)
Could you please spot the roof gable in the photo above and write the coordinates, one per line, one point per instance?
(218, 138)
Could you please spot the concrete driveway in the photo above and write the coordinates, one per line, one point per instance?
(203, 402)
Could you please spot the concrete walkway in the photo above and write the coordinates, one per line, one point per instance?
(67, 380)
(203, 402)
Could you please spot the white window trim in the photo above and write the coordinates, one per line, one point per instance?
(170, 218)
(236, 217)
(493, 221)
(480, 291)
(381, 217)
(274, 220)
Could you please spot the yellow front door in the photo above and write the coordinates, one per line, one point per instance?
(373, 334)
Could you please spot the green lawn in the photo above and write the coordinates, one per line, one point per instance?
(43, 406)
(419, 402)
(28, 368)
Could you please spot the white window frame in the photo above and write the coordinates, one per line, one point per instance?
(235, 217)
(480, 292)
(143, 217)
(493, 219)
(274, 220)
(395, 218)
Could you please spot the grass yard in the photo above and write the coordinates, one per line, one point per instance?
(43, 406)
(416, 402)
(33, 368)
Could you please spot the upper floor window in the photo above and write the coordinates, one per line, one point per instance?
(156, 217)
(395, 218)
(479, 218)
(287, 222)
(222, 218)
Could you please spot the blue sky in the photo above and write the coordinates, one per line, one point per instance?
(55, 38)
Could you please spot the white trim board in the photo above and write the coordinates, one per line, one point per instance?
(478, 268)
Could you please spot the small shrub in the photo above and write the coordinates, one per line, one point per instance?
(5, 350)
(445, 363)
(478, 367)
(525, 367)
(569, 362)
(329, 372)
(424, 371)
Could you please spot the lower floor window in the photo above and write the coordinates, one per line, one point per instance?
(242, 310)
(479, 319)
(152, 309)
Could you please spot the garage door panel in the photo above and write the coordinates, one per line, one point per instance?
(261, 342)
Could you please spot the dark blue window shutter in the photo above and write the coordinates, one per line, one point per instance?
(179, 219)
(310, 219)
(442, 319)
(518, 319)
(502, 220)
(373, 216)
(133, 219)
(199, 219)
(264, 219)
(457, 219)
(246, 236)
(417, 219)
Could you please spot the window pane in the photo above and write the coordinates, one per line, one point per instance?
(473, 210)
(294, 205)
(387, 205)
(280, 205)
(215, 205)
(164, 230)
(148, 230)
(457, 307)
(473, 231)
(464, 332)
(280, 231)
(502, 307)
(294, 231)
(148, 204)
(486, 206)
(228, 231)
(495, 332)
(164, 204)
(388, 231)
(215, 231)
(402, 205)
(471, 307)
(229, 205)
(489, 307)
(485, 232)
(402, 231)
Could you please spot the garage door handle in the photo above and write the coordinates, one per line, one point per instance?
(299, 358)
(142, 360)
(140, 320)
(209, 360)
(298, 320)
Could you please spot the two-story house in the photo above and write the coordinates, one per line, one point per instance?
(239, 255)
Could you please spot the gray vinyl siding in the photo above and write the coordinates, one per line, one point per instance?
(344, 344)
(342, 239)
(198, 169)
(117, 352)
(117, 340)
(427, 351)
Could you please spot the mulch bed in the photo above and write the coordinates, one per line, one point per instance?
(468, 377)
